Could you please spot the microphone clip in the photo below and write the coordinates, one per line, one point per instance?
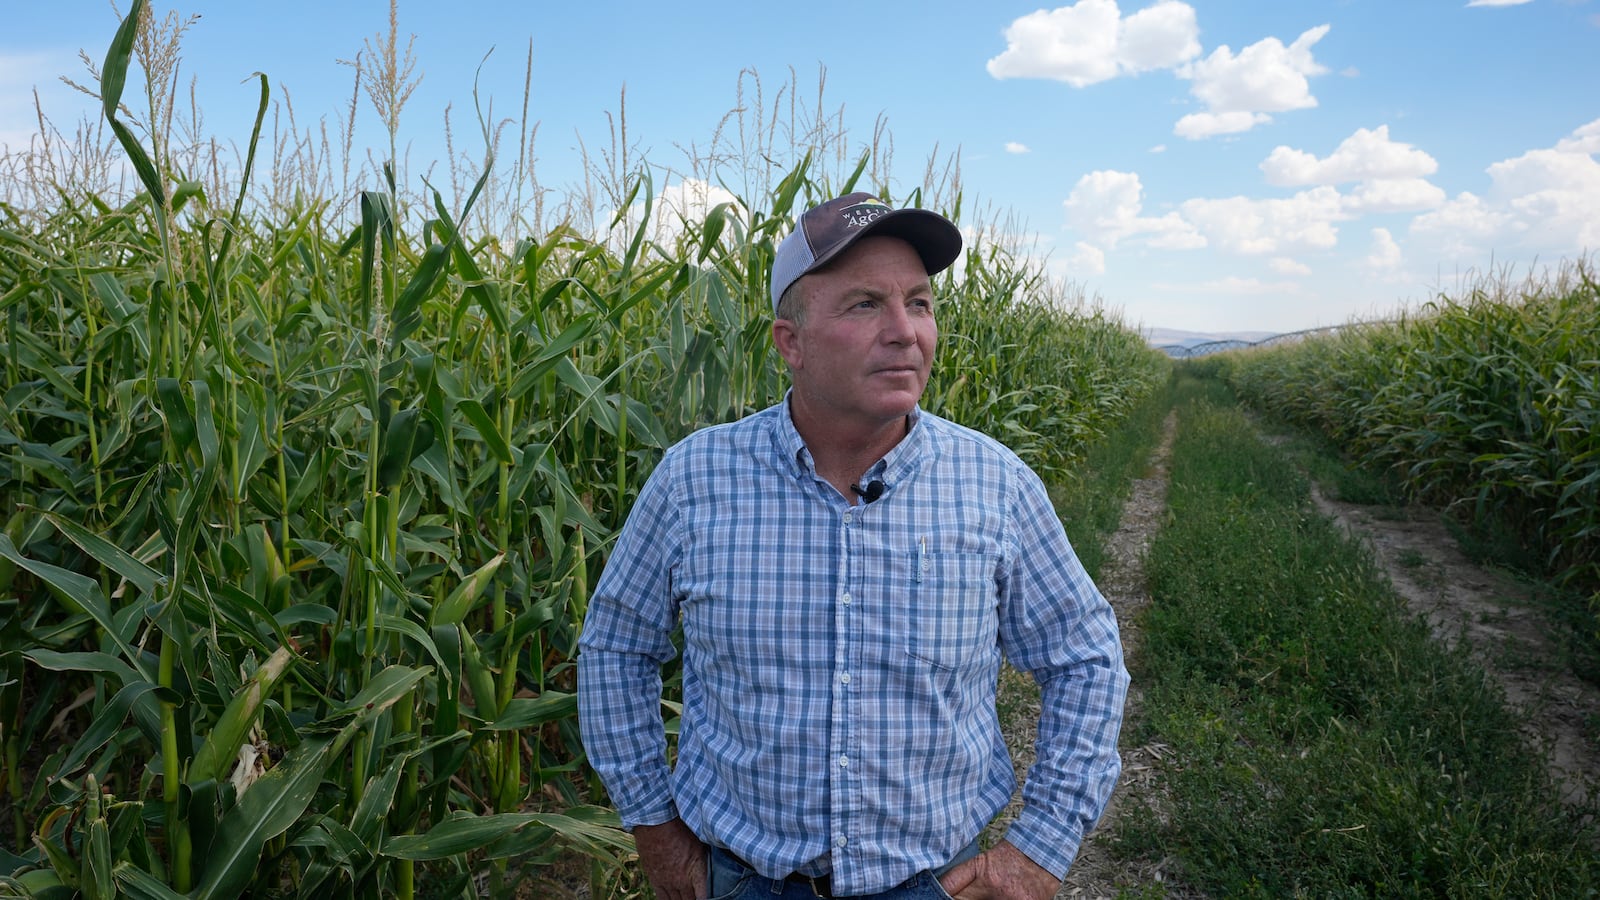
(871, 492)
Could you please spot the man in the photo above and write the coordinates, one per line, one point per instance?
(847, 570)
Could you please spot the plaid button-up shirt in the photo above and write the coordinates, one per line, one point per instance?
(840, 662)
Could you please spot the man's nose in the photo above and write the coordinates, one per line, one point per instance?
(897, 326)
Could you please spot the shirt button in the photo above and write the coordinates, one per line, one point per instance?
(845, 678)
(844, 762)
(845, 599)
(839, 841)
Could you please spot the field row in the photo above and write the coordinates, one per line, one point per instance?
(1488, 403)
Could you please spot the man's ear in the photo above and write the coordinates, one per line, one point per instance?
(786, 337)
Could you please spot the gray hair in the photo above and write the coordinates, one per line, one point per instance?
(792, 305)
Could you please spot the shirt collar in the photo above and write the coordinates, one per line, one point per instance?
(891, 468)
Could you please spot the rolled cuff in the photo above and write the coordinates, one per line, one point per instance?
(654, 814)
(1050, 844)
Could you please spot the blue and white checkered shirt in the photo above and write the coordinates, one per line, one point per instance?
(840, 662)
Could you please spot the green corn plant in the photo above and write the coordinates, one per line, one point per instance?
(1484, 404)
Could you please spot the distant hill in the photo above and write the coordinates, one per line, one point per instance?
(1172, 337)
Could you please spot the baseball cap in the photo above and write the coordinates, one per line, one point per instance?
(825, 230)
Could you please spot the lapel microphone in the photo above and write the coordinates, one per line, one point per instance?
(871, 492)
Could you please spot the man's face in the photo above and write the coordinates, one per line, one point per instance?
(863, 355)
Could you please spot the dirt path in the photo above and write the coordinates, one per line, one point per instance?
(1506, 635)
(1096, 874)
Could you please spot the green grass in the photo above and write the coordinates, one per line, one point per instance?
(1321, 744)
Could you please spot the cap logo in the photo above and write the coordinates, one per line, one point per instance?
(861, 214)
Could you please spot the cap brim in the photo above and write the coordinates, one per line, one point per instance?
(936, 239)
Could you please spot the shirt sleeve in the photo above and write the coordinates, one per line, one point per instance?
(1056, 626)
(627, 637)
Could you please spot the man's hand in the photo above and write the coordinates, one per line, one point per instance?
(1001, 873)
(673, 859)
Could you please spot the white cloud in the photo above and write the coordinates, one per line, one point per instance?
(1015, 147)
(1196, 126)
(1394, 195)
(1463, 225)
(1250, 227)
(1542, 202)
(1366, 155)
(1555, 195)
(1389, 173)
(1584, 140)
(1086, 260)
(1090, 42)
(1160, 36)
(1240, 92)
(1105, 206)
(1497, 3)
(689, 200)
(1283, 265)
(1385, 254)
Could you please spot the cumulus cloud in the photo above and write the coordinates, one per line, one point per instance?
(1584, 140)
(1554, 194)
(1283, 265)
(1015, 147)
(1159, 37)
(1389, 174)
(1253, 227)
(689, 200)
(1196, 126)
(1091, 41)
(1241, 92)
(1543, 201)
(1385, 253)
(1106, 206)
(1086, 260)
(1366, 155)
(1463, 225)
(1394, 195)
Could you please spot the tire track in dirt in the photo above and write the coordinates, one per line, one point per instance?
(1491, 612)
(1097, 874)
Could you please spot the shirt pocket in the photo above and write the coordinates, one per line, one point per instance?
(953, 608)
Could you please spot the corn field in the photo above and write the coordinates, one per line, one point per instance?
(1488, 404)
(301, 511)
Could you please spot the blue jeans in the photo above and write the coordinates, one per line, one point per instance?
(731, 879)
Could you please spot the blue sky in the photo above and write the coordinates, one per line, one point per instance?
(1214, 165)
